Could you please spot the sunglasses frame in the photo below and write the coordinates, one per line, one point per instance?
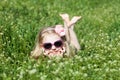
(51, 44)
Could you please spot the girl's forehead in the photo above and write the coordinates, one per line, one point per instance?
(51, 38)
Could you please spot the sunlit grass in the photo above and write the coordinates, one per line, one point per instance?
(98, 33)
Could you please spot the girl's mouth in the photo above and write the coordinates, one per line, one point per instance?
(55, 52)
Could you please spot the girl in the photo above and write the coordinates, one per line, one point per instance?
(57, 41)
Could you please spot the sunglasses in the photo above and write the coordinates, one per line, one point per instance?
(57, 44)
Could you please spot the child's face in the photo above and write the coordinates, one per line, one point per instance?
(53, 45)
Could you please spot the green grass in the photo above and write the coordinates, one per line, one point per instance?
(98, 33)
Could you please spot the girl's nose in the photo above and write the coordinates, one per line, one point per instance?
(53, 47)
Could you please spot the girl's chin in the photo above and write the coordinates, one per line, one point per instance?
(55, 54)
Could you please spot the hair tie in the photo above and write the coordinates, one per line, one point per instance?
(60, 30)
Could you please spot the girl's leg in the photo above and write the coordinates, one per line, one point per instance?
(69, 26)
(73, 39)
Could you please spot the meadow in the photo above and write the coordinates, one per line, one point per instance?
(98, 32)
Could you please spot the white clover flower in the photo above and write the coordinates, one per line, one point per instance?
(118, 44)
(32, 71)
(49, 61)
(85, 74)
(21, 74)
(29, 67)
(82, 40)
(19, 36)
(119, 69)
(116, 39)
(56, 71)
(118, 55)
(61, 64)
(95, 65)
(119, 36)
(83, 68)
(113, 70)
(1, 33)
(107, 40)
(4, 75)
(98, 69)
(18, 68)
(76, 72)
(43, 77)
(66, 62)
(53, 64)
(111, 45)
(17, 31)
(107, 69)
(89, 66)
(57, 78)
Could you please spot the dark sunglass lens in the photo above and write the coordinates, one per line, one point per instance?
(47, 45)
(58, 43)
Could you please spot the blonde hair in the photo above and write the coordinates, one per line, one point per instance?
(37, 51)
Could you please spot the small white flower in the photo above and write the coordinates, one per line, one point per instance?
(85, 75)
(43, 77)
(1, 33)
(32, 71)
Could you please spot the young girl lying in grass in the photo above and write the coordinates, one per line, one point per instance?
(57, 41)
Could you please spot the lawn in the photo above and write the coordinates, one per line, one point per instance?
(98, 32)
